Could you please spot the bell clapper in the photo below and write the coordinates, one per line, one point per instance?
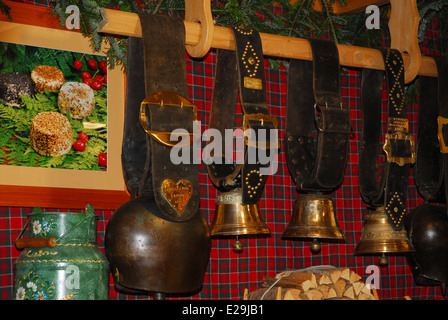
(383, 261)
(159, 296)
(238, 245)
(315, 246)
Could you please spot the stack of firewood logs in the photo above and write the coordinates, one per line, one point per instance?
(318, 284)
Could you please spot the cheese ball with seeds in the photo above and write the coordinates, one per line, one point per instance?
(13, 86)
(47, 78)
(76, 98)
(51, 134)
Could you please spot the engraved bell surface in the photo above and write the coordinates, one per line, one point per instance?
(378, 236)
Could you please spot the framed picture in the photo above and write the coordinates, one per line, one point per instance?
(39, 164)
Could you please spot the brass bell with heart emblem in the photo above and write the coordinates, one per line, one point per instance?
(158, 242)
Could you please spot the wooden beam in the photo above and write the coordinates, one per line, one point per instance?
(128, 24)
(30, 14)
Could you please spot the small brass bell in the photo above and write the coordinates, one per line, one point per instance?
(379, 237)
(313, 218)
(232, 218)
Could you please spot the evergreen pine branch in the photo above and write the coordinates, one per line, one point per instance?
(328, 13)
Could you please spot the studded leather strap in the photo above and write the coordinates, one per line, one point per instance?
(391, 192)
(241, 72)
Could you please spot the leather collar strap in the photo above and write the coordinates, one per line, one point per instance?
(399, 147)
(432, 135)
(135, 153)
(167, 108)
(314, 100)
(244, 67)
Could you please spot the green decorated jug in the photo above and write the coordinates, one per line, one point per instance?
(60, 258)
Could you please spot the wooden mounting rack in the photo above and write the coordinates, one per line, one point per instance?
(202, 34)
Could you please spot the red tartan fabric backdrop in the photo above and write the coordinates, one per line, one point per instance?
(229, 273)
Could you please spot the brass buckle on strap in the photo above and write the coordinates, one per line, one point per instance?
(401, 161)
(170, 99)
(441, 121)
(262, 118)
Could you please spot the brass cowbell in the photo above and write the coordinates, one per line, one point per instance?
(233, 218)
(314, 218)
(379, 237)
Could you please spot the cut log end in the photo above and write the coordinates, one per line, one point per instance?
(334, 284)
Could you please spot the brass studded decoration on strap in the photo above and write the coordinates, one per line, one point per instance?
(395, 208)
(396, 94)
(253, 182)
(251, 62)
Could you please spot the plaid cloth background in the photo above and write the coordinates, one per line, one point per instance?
(229, 273)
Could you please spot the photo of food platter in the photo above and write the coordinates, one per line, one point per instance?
(53, 108)
(61, 140)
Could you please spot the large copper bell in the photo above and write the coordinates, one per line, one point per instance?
(232, 218)
(313, 218)
(427, 226)
(379, 237)
(150, 253)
